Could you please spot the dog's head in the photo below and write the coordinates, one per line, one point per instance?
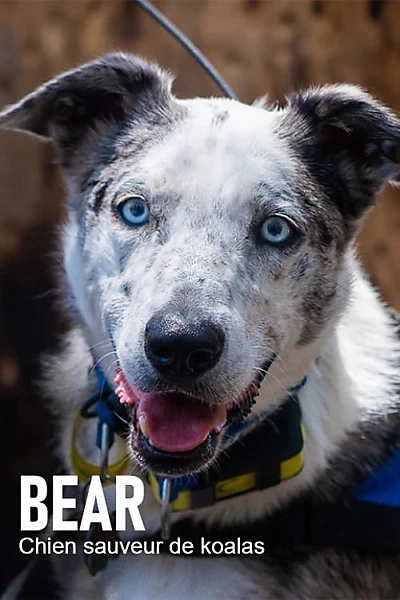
(206, 237)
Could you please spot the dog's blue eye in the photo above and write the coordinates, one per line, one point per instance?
(134, 211)
(277, 230)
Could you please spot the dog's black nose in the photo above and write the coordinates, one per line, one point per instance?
(176, 345)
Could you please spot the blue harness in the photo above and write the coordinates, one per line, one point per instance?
(382, 486)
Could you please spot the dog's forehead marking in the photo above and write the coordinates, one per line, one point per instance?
(220, 147)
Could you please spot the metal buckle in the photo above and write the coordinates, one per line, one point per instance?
(104, 454)
(165, 510)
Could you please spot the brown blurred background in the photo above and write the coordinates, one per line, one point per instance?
(260, 46)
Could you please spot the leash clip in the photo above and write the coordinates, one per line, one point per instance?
(166, 510)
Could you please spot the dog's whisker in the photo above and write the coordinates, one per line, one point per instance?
(111, 353)
(99, 344)
(121, 418)
(112, 365)
(48, 293)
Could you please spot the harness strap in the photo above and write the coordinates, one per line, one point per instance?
(300, 528)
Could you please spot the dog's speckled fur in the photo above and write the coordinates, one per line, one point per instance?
(212, 171)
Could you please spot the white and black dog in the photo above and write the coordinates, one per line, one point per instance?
(208, 259)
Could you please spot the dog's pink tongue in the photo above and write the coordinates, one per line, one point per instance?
(175, 422)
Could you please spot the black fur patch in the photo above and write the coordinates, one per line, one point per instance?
(316, 304)
(108, 90)
(342, 135)
(98, 196)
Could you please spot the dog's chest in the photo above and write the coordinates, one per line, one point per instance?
(166, 577)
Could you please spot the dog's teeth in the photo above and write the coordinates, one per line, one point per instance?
(143, 425)
(220, 428)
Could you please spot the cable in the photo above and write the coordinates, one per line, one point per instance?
(188, 45)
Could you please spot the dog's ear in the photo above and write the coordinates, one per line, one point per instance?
(97, 95)
(350, 142)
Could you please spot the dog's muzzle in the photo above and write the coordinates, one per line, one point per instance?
(174, 433)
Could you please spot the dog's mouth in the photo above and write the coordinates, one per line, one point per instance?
(174, 433)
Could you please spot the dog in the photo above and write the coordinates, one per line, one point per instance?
(208, 266)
